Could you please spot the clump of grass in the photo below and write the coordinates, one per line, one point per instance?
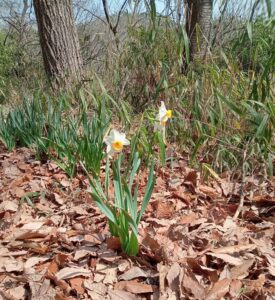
(50, 127)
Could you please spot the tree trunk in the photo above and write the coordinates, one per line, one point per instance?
(198, 25)
(59, 40)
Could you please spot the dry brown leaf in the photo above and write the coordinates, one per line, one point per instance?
(71, 272)
(241, 271)
(110, 276)
(134, 272)
(18, 292)
(209, 191)
(161, 222)
(32, 261)
(219, 290)
(235, 288)
(57, 198)
(163, 270)
(52, 166)
(113, 243)
(164, 210)
(225, 273)
(160, 182)
(99, 277)
(187, 219)
(191, 285)
(33, 225)
(35, 186)
(9, 206)
(109, 271)
(81, 253)
(7, 252)
(227, 258)
(61, 296)
(230, 188)
(264, 200)
(41, 249)
(187, 198)
(23, 234)
(191, 176)
(11, 265)
(173, 277)
(135, 287)
(121, 295)
(65, 183)
(42, 291)
(257, 284)
(53, 267)
(11, 171)
(18, 192)
(150, 242)
(199, 269)
(79, 211)
(62, 258)
(168, 295)
(123, 265)
(94, 239)
(99, 288)
(24, 167)
(94, 295)
(62, 284)
(77, 284)
(234, 249)
(271, 270)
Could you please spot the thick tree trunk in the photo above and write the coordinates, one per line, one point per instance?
(59, 40)
(198, 25)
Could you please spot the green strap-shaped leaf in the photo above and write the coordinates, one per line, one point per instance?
(148, 192)
(117, 183)
(104, 209)
(262, 126)
(107, 175)
(132, 246)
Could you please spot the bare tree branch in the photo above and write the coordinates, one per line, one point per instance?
(107, 15)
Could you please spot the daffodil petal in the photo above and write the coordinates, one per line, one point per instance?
(109, 148)
(114, 134)
(125, 142)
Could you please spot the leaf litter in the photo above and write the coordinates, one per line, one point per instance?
(56, 244)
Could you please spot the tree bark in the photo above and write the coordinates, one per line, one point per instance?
(59, 40)
(198, 25)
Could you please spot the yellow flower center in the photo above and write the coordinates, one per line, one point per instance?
(117, 145)
(169, 113)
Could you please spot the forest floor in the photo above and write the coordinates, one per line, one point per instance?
(54, 241)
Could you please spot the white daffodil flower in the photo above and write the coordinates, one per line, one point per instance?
(115, 142)
(162, 116)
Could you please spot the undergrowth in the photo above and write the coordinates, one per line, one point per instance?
(223, 111)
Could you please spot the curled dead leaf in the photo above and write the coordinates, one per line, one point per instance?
(121, 295)
(209, 191)
(113, 243)
(164, 210)
(191, 285)
(77, 284)
(134, 272)
(219, 290)
(241, 271)
(232, 260)
(71, 272)
(135, 287)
